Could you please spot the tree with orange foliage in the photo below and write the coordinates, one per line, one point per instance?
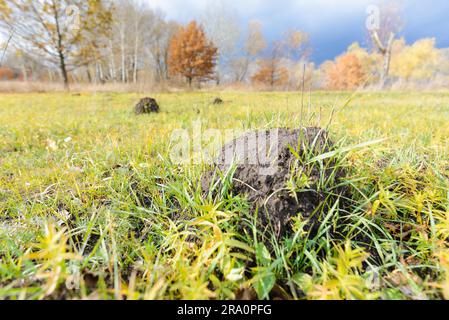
(346, 73)
(192, 55)
(271, 71)
(7, 74)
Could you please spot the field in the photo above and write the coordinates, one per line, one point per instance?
(89, 200)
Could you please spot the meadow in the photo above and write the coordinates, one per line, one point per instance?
(89, 200)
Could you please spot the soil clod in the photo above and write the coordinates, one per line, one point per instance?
(146, 106)
(218, 101)
(282, 183)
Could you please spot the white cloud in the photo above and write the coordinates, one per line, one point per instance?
(179, 9)
(320, 18)
(189, 9)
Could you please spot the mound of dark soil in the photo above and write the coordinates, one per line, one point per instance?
(218, 101)
(146, 105)
(281, 185)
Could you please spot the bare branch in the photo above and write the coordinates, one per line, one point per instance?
(6, 47)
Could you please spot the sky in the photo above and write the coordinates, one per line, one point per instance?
(332, 25)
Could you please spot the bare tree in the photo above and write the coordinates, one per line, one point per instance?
(275, 67)
(296, 51)
(54, 31)
(271, 70)
(157, 44)
(221, 26)
(140, 40)
(383, 34)
(296, 44)
(255, 43)
(121, 24)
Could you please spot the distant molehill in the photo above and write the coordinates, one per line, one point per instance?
(146, 106)
(218, 101)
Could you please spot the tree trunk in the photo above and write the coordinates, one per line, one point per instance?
(166, 68)
(89, 76)
(112, 62)
(100, 72)
(387, 60)
(242, 75)
(62, 62)
(159, 68)
(385, 50)
(50, 75)
(64, 73)
(217, 78)
(136, 49)
(122, 51)
(75, 78)
(24, 72)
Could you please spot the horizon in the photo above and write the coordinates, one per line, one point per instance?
(332, 26)
(336, 28)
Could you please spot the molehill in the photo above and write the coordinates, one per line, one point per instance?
(218, 101)
(146, 106)
(287, 185)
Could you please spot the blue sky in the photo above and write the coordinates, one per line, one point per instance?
(332, 25)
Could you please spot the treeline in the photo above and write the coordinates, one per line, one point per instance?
(125, 41)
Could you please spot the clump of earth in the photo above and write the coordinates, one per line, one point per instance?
(218, 101)
(146, 106)
(273, 172)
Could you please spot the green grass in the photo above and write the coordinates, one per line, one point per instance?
(89, 201)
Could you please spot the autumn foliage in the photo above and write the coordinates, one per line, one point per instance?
(191, 54)
(7, 74)
(271, 73)
(346, 73)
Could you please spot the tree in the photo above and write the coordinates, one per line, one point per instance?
(296, 44)
(296, 51)
(192, 55)
(301, 77)
(271, 74)
(8, 74)
(57, 31)
(420, 61)
(8, 31)
(346, 73)
(130, 46)
(271, 71)
(129, 18)
(4, 9)
(136, 46)
(255, 43)
(383, 33)
(4, 49)
(95, 30)
(158, 45)
(369, 61)
(222, 28)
